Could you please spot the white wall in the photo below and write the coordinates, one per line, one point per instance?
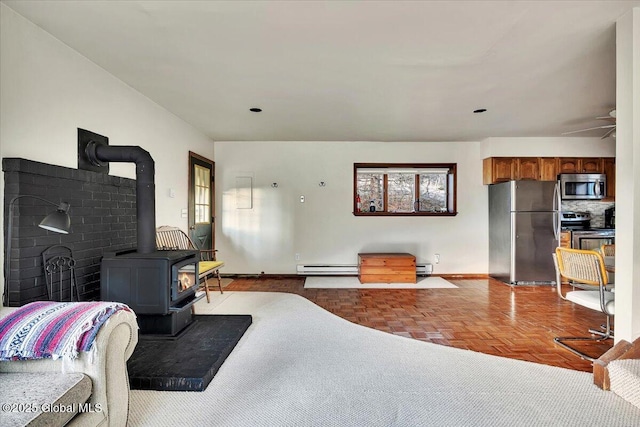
(324, 230)
(627, 320)
(48, 90)
(549, 147)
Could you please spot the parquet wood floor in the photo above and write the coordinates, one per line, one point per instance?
(482, 315)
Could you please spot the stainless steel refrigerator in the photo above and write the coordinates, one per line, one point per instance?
(524, 227)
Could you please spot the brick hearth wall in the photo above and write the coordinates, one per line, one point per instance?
(103, 217)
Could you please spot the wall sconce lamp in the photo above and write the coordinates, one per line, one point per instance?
(58, 222)
(274, 185)
(322, 184)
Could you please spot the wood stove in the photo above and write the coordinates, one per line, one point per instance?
(160, 287)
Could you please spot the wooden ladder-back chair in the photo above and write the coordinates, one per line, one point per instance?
(172, 238)
(586, 271)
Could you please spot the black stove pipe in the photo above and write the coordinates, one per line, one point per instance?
(98, 153)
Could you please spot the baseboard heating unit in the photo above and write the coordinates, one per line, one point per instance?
(327, 269)
(424, 269)
(347, 269)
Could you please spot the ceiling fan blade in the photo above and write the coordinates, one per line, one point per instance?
(609, 132)
(584, 130)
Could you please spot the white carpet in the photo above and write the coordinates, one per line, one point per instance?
(350, 282)
(624, 378)
(299, 365)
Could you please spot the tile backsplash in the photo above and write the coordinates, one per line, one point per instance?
(594, 207)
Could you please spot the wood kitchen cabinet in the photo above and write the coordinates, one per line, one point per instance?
(609, 169)
(501, 169)
(548, 168)
(580, 165)
(591, 165)
(498, 169)
(527, 168)
(568, 165)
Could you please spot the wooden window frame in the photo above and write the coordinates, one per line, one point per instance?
(452, 188)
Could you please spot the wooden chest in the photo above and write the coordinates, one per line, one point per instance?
(386, 268)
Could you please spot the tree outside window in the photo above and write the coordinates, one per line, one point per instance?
(370, 187)
(433, 192)
(423, 189)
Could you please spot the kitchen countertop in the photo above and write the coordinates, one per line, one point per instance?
(588, 229)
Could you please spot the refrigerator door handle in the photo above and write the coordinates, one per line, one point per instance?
(556, 212)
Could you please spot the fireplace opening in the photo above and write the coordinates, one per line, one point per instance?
(183, 279)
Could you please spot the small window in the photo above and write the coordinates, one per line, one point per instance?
(202, 193)
(424, 189)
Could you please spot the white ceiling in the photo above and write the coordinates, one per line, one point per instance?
(355, 70)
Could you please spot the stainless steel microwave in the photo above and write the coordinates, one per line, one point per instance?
(583, 186)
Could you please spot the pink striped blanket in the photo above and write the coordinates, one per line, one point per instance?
(45, 329)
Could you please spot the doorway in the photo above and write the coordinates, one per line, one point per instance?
(201, 201)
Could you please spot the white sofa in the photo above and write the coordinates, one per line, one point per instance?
(108, 404)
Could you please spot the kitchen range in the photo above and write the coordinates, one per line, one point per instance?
(583, 236)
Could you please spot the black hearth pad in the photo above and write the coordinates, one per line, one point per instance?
(189, 362)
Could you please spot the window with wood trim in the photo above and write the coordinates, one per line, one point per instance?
(404, 189)
(202, 188)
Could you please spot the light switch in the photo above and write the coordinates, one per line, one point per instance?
(172, 192)
(183, 213)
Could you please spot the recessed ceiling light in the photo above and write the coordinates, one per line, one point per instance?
(480, 110)
(255, 110)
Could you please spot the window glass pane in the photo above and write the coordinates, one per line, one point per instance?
(202, 178)
(433, 192)
(370, 188)
(406, 189)
(401, 188)
(199, 213)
